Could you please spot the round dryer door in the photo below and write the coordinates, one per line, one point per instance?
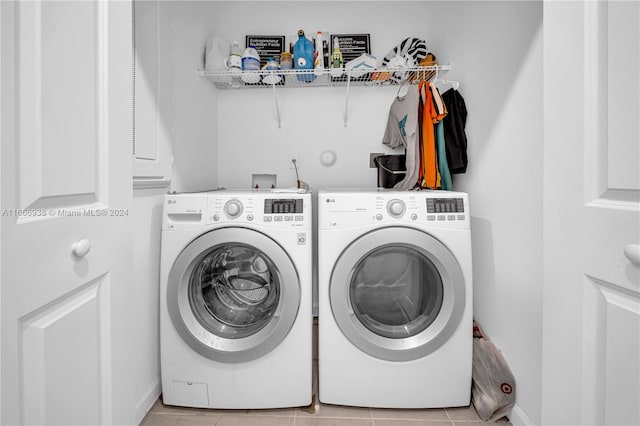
(397, 293)
(233, 294)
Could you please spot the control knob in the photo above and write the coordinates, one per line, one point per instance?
(233, 208)
(396, 208)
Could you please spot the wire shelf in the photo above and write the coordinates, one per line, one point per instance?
(321, 78)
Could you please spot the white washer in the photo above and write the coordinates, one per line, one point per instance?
(235, 299)
(395, 298)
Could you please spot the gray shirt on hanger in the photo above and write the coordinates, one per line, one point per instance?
(402, 130)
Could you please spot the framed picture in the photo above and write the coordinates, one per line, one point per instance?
(351, 45)
(267, 46)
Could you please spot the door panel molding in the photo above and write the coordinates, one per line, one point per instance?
(64, 355)
(61, 54)
(611, 322)
(613, 104)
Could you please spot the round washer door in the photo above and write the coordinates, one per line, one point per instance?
(397, 293)
(233, 294)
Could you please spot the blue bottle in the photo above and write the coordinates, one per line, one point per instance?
(303, 57)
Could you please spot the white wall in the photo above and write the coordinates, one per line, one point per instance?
(189, 102)
(152, 175)
(222, 137)
(144, 298)
(503, 90)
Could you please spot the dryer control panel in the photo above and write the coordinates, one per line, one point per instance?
(353, 208)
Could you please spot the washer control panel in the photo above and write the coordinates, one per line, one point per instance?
(283, 206)
(278, 210)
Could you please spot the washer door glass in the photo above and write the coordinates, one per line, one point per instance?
(233, 294)
(234, 290)
(397, 293)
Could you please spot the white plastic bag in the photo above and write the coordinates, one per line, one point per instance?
(493, 391)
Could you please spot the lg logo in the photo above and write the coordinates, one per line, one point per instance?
(330, 200)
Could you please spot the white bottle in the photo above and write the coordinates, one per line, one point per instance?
(318, 61)
(250, 65)
(234, 61)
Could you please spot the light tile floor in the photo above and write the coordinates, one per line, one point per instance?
(320, 415)
(324, 415)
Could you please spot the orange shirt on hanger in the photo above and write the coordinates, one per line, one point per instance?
(431, 175)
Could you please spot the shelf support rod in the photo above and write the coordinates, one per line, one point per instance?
(275, 98)
(346, 102)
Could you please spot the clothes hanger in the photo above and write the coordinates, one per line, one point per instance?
(403, 89)
(435, 78)
(441, 85)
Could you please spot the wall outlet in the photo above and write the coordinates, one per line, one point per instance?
(373, 155)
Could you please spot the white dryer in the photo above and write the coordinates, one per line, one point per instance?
(235, 299)
(395, 298)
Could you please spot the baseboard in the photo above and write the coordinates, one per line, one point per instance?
(147, 401)
(517, 417)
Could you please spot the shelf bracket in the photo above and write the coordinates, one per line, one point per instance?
(275, 99)
(346, 102)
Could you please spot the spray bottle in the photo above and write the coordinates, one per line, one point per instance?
(336, 60)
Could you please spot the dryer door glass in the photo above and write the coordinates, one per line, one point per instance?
(234, 290)
(396, 291)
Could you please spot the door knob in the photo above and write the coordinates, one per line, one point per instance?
(81, 248)
(632, 252)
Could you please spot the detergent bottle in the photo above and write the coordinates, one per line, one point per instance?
(336, 60)
(303, 57)
(250, 65)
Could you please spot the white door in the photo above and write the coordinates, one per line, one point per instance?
(591, 351)
(66, 187)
